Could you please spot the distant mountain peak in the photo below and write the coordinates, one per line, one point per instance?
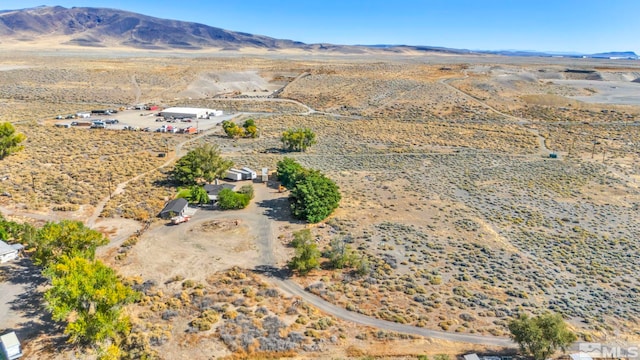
(89, 26)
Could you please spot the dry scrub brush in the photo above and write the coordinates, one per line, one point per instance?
(239, 310)
(76, 166)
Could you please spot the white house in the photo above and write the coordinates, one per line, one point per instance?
(10, 346)
(9, 252)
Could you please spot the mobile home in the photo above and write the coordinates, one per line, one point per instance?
(252, 174)
(234, 175)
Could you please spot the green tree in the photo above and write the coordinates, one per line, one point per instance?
(248, 123)
(198, 195)
(314, 197)
(247, 190)
(288, 170)
(9, 140)
(232, 129)
(13, 232)
(89, 295)
(301, 237)
(307, 256)
(230, 200)
(341, 255)
(203, 163)
(67, 237)
(542, 335)
(299, 139)
(250, 128)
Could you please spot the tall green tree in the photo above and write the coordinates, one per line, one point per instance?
(9, 140)
(198, 195)
(288, 170)
(542, 335)
(314, 197)
(89, 296)
(299, 139)
(65, 238)
(307, 256)
(203, 163)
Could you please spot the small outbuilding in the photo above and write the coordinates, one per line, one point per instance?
(214, 189)
(173, 208)
(471, 357)
(10, 346)
(9, 252)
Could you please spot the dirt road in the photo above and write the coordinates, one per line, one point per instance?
(266, 242)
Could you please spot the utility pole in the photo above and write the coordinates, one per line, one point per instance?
(593, 150)
(33, 181)
(109, 179)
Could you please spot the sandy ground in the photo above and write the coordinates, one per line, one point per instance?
(607, 92)
(213, 240)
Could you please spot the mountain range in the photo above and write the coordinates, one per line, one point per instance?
(101, 27)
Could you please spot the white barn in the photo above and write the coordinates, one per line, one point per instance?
(185, 112)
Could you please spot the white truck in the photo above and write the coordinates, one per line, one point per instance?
(180, 219)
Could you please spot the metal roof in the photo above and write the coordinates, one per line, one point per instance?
(10, 340)
(6, 248)
(175, 206)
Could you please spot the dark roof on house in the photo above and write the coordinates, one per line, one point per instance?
(213, 189)
(176, 206)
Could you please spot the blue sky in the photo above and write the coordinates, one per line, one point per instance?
(584, 26)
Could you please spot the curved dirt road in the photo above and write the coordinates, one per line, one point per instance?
(293, 288)
(266, 240)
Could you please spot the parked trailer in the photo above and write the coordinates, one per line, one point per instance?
(233, 175)
(252, 174)
(245, 174)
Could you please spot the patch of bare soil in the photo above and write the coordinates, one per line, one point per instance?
(218, 225)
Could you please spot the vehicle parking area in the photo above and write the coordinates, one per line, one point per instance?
(144, 120)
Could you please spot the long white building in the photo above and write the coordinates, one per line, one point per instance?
(185, 112)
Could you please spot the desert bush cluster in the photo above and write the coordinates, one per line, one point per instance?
(236, 308)
(368, 92)
(68, 168)
(451, 273)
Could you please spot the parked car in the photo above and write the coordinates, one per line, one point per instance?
(180, 219)
(111, 121)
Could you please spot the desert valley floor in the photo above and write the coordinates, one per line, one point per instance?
(475, 187)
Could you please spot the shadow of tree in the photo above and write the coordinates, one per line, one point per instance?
(278, 209)
(272, 271)
(29, 304)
